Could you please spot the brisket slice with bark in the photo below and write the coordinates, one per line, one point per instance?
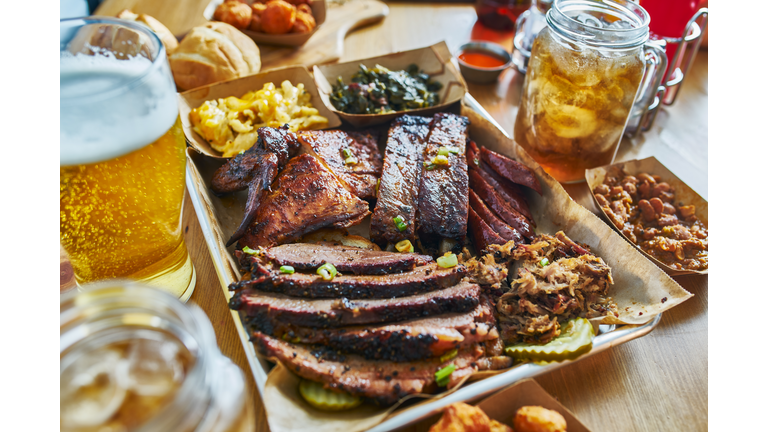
(399, 185)
(262, 308)
(416, 339)
(307, 256)
(382, 381)
(431, 277)
(443, 202)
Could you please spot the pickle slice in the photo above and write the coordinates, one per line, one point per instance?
(326, 400)
(575, 339)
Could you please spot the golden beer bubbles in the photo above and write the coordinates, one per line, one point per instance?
(575, 104)
(122, 218)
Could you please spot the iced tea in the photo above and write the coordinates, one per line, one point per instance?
(576, 101)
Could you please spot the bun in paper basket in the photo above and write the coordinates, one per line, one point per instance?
(211, 53)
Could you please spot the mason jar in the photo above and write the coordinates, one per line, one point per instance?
(586, 70)
(134, 358)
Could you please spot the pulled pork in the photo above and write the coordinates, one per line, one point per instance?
(573, 283)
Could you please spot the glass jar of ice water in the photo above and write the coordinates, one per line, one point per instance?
(135, 358)
(586, 69)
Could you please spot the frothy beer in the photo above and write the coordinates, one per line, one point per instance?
(122, 168)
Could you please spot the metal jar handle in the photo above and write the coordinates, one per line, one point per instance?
(651, 91)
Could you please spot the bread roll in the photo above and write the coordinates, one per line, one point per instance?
(211, 53)
(165, 35)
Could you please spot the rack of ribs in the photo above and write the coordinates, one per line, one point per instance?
(326, 313)
(399, 186)
(443, 203)
(415, 339)
(305, 196)
(382, 381)
(332, 147)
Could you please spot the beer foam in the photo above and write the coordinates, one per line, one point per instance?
(111, 107)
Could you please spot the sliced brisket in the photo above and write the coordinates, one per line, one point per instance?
(382, 381)
(269, 307)
(416, 339)
(307, 256)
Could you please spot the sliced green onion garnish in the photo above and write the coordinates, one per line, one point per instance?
(445, 151)
(327, 271)
(287, 269)
(441, 160)
(477, 161)
(404, 246)
(250, 251)
(346, 153)
(350, 160)
(401, 226)
(543, 262)
(448, 260)
(443, 375)
(449, 355)
(429, 166)
(378, 183)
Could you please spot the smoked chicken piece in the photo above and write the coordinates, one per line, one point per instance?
(510, 192)
(268, 277)
(353, 156)
(502, 229)
(382, 381)
(443, 202)
(482, 235)
(510, 169)
(305, 196)
(306, 256)
(400, 178)
(492, 199)
(255, 169)
(416, 339)
(263, 308)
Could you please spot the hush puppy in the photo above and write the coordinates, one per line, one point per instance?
(278, 17)
(234, 13)
(538, 419)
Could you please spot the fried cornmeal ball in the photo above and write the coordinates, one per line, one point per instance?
(538, 419)
(234, 13)
(278, 17)
(305, 22)
(461, 417)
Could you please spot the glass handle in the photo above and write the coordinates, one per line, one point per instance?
(520, 20)
(656, 65)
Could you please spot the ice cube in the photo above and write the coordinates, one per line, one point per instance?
(153, 367)
(90, 393)
(589, 20)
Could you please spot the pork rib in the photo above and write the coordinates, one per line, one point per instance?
(260, 306)
(416, 339)
(400, 178)
(307, 256)
(330, 145)
(384, 382)
(267, 277)
(305, 196)
(443, 202)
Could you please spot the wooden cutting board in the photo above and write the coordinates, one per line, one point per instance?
(327, 45)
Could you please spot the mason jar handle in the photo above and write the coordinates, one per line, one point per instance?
(521, 19)
(656, 65)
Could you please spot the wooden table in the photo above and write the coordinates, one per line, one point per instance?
(658, 382)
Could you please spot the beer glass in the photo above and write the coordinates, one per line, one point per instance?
(122, 162)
